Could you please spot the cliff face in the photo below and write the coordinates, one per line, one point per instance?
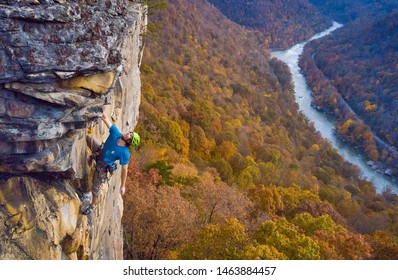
(62, 63)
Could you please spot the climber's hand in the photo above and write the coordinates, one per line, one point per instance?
(106, 120)
(122, 190)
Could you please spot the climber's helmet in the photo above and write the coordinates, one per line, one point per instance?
(132, 139)
(135, 140)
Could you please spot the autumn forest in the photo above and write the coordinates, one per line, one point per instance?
(229, 168)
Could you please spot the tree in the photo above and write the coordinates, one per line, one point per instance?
(384, 245)
(334, 241)
(226, 150)
(156, 220)
(263, 252)
(293, 198)
(175, 137)
(287, 239)
(224, 242)
(342, 245)
(216, 201)
(319, 208)
(310, 224)
(224, 168)
(164, 170)
(266, 199)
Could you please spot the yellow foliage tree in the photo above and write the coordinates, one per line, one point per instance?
(287, 239)
(225, 242)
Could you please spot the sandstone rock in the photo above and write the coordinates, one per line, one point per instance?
(72, 242)
(34, 224)
(98, 83)
(65, 155)
(58, 96)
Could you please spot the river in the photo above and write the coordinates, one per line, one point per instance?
(323, 123)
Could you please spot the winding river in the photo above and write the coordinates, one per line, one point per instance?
(323, 123)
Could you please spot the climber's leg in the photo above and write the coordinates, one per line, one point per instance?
(93, 143)
(96, 189)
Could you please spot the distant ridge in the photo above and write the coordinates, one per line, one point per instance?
(283, 23)
(349, 10)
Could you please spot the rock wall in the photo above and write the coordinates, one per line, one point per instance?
(62, 63)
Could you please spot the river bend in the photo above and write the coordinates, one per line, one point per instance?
(323, 123)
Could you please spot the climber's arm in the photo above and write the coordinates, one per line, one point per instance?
(124, 178)
(106, 120)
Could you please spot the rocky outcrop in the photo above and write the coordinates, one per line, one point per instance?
(62, 63)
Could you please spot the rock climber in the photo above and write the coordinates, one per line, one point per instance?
(116, 147)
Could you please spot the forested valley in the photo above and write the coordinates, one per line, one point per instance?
(353, 75)
(228, 168)
(282, 23)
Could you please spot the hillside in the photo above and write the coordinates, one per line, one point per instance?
(345, 11)
(229, 169)
(359, 63)
(283, 23)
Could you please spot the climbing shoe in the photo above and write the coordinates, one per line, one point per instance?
(88, 210)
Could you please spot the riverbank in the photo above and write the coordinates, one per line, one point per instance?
(350, 128)
(376, 165)
(324, 123)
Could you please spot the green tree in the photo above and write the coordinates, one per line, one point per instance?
(287, 239)
(174, 136)
(263, 252)
(310, 224)
(334, 240)
(164, 170)
(225, 242)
